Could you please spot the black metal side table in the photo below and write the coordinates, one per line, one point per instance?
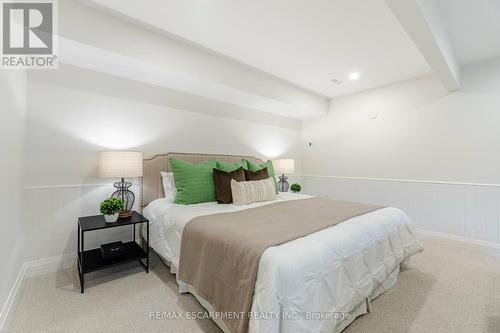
(91, 260)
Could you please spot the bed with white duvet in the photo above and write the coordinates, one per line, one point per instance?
(317, 283)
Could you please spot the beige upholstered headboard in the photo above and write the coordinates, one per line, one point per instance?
(152, 187)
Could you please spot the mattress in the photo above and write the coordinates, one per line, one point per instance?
(319, 282)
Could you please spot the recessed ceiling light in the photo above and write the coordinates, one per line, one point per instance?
(354, 76)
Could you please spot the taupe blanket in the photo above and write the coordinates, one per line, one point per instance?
(220, 253)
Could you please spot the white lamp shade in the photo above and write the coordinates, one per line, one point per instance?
(120, 164)
(284, 166)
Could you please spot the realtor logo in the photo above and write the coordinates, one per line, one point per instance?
(28, 34)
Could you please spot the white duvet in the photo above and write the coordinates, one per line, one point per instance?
(308, 284)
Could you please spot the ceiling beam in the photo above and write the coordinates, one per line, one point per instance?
(422, 21)
(82, 55)
(112, 86)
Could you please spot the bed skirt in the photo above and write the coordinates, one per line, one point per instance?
(358, 310)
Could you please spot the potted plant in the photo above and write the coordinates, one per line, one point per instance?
(110, 208)
(295, 188)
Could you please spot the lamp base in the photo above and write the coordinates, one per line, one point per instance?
(125, 214)
(126, 196)
(283, 184)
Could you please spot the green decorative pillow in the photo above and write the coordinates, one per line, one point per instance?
(268, 164)
(230, 167)
(194, 182)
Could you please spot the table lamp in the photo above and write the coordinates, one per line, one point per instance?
(283, 166)
(121, 164)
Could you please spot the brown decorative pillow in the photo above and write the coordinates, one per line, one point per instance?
(256, 175)
(222, 181)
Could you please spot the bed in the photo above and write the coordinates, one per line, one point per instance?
(317, 283)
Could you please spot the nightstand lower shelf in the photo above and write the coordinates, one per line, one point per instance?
(93, 261)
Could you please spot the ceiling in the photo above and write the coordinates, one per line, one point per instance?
(307, 43)
(473, 27)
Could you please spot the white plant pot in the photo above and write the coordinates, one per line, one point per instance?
(111, 218)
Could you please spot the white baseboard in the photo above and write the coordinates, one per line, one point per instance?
(50, 264)
(474, 241)
(12, 296)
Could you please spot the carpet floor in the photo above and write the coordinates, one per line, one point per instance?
(450, 287)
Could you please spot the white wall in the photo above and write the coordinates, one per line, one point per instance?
(422, 137)
(12, 206)
(68, 127)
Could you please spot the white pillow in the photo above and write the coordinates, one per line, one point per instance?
(169, 185)
(245, 193)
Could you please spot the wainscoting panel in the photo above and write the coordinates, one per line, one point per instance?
(467, 210)
(52, 213)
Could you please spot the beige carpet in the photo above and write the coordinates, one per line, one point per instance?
(450, 287)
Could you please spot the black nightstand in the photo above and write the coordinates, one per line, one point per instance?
(91, 260)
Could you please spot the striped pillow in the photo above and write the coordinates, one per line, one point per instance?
(245, 193)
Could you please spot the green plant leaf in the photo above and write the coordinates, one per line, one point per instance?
(111, 206)
(295, 188)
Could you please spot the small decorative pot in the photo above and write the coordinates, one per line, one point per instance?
(111, 218)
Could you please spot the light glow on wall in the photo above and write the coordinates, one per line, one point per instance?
(270, 145)
(104, 128)
(354, 76)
